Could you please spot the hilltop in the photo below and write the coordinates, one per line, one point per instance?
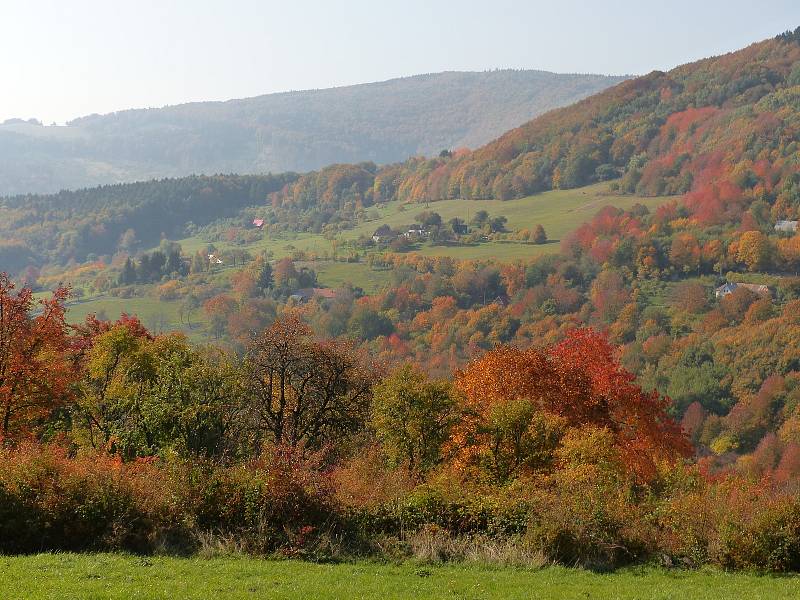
(295, 131)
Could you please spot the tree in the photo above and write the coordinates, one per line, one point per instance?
(218, 309)
(128, 241)
(264, 277)
(685, 252)
(368, 324)
(498, 224)
(609, 294)
(521, 401)
(429, 219)
(458, 226)
(480, 218)
(128, 274)
(175, 264)
(754, 250)
(412, 417)
(35, 370)
(789, 252)
(306, 393)
(539, 235)
(141, 395)
(285, 273)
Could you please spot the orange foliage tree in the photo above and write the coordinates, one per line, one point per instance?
(536, 395)
(35, 370)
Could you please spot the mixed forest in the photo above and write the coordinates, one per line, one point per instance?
(627, 392)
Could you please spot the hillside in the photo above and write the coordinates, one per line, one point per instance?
(722, 128)
(579, 341)
(295, 131)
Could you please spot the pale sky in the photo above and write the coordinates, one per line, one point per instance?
(61, 59)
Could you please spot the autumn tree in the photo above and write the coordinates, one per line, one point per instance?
(305, 393)
(690, 296)
(789, 252)
(35, 367)
(412, 417)
(536, 395)
(219, 309)
(754, 250)
(539, 236)
(685, 252)
(609, 294)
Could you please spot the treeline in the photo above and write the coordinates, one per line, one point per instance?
(85, 224)
(113, 438)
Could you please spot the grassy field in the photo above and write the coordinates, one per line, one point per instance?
(558, 211)
(88, 577)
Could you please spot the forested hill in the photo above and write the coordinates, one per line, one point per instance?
(296, 131)
(723, 129)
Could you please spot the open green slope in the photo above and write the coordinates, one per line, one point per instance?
(558, 211)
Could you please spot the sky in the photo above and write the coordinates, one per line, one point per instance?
(60, 59)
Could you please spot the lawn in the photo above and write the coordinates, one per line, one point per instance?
(90, 576)
(335, 274)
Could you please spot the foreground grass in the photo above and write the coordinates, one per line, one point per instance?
(120, 576)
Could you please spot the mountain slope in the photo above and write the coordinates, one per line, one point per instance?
(723, 129)
(296, 131)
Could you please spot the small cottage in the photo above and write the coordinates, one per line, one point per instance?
(306, 294)
(730, 287)
(383, 234)
(416, 231)
(786, 226)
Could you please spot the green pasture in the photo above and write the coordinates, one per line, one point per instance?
(109, 576)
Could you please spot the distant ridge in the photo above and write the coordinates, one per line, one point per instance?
(292, 131)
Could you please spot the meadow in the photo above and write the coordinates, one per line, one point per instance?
(559, 212)
(114, 576)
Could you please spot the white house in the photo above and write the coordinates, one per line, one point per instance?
(416, 231)
(729, 288)
(786, 226)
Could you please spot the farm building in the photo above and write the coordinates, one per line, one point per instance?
(383, 234)
(304, 295)
(729, 288)
(258, 223)
(786, 226)
(416, 231)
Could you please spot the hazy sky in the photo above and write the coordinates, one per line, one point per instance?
(61, 59)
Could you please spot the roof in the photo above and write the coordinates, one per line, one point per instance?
(731, 287)
(308, 293)
(325, 293)
(258, 222)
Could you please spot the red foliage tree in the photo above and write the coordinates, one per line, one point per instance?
(35, 369)
(580, 383)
